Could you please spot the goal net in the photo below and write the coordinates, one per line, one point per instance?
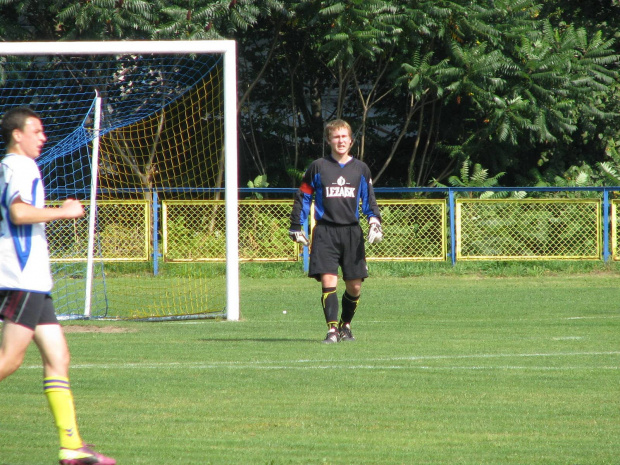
(131, 126)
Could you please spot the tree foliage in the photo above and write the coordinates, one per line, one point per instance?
(515, 85)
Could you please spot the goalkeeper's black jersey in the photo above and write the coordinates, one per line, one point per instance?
(338, 190)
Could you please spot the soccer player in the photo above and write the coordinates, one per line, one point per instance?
(26, 306)
(338, 182)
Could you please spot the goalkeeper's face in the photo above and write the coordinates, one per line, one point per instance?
(340, 142)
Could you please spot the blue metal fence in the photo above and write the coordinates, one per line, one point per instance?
(451, 193)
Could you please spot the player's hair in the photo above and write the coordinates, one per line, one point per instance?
(336, 124)
(13, 119)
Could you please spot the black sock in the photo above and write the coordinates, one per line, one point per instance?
(349, 306)
(329, 301)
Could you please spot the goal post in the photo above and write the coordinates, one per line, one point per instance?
(125, 85)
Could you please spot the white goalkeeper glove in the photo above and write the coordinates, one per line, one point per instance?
(299, 237)
(375, 233)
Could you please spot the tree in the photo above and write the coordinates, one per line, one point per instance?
(363, 35)
(509, 84)
(106, 19)
(531, 93)
(593, 15)
(479, 177)
(22, 20)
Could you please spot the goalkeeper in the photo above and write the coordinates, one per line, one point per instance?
(338, 182)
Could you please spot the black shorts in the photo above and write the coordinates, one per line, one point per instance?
(27, 309)
(336, 246)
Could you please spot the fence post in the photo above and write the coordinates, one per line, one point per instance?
(452, 216)
(605, 225)
(305, 254)
(155, 229)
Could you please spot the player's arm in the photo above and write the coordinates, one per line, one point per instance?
(22, 213)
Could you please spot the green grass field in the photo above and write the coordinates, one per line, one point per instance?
(445, 370)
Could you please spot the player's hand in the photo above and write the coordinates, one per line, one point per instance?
(72, 209)
(299, 237)
(375, 233)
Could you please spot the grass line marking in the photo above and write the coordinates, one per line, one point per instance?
(356, 364)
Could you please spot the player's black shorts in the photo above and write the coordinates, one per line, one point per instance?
(27, 309)
(336, 246)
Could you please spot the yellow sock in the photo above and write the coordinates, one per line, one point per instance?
(59, 396)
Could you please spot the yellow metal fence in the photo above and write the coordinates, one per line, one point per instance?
(194, 231)
(123, 233)
(615, 223)
(528, 229)
(413, 230)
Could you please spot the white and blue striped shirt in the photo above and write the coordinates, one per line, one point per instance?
(24, 255)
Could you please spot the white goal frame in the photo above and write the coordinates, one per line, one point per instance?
(225, 47)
